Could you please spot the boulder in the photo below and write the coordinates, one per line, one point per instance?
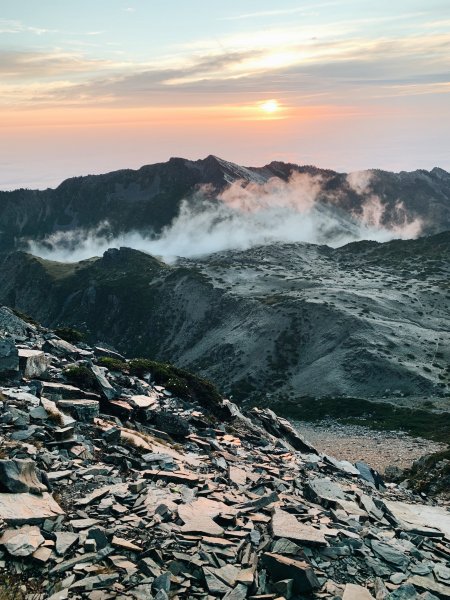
(60, 347)
(81, 410)
(282, 567)
(33, 363)
(107, 389)
(18, 476)
(324, 492)
(172, 424)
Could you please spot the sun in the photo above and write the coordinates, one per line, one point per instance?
(269, 106)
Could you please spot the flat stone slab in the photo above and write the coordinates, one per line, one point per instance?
(356, 592)
(324, 491)
(21, 509)
(390, 554)
(82, 409)
(198, 516)
(23, 541)
(417, 517)
(429, 585)
(171, 476)
(141, 401)
(285, 525)
(237, 475)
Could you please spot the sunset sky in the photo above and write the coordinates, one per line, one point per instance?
(97, 85)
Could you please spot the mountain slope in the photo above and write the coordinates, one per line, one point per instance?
(149, 198)
(367, 319)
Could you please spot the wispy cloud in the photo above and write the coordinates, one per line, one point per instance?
(281, 12)
(333, 60)
(13, 26)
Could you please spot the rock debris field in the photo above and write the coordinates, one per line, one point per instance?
(126, 489)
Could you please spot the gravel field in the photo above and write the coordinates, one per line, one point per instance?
(354, 442)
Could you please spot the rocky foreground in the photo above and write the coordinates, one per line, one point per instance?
(120, 487)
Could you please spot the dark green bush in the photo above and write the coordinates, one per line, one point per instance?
(25, 317)
(180, 382)
(69, 334)
(81, 377)
(113, 364)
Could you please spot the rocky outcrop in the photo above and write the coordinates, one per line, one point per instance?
(182, 498)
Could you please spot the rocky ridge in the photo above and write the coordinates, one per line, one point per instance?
(149, 198)
(124, 488)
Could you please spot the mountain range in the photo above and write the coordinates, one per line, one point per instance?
(269, 322)
(149, 199)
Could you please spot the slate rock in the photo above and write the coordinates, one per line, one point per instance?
(215, 585)
(285, 587)
(390, 554)
(23, 541)
(18, 476)
(356, 592)
(93, 558)
(162, 582)
(82, 410)
(285, 546)
(9, 357)
(65, 540)
(369, 474)
(108, 391)
(98, 534)
(430, 585)
(95, 582)
(20, 509)
(33, 363)
(422, 519)
(285, 525)
(172, 424)
(324, 491)
(405, 592)
(13, 325)
(198, 516)
(282, 567)
(237, 593)
(101, 351)
(59, 347)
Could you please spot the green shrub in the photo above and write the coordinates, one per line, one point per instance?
(81, 377)
(69, 334)
(113, 364)
(182, 383)
(429, 404)
(25, 317)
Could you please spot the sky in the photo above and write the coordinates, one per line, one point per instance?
(98, 85)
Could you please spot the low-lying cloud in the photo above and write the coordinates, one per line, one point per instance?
(245, 215)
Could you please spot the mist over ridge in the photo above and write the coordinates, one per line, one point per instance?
(245, 214)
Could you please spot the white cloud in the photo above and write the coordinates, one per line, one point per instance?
(244, 215)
